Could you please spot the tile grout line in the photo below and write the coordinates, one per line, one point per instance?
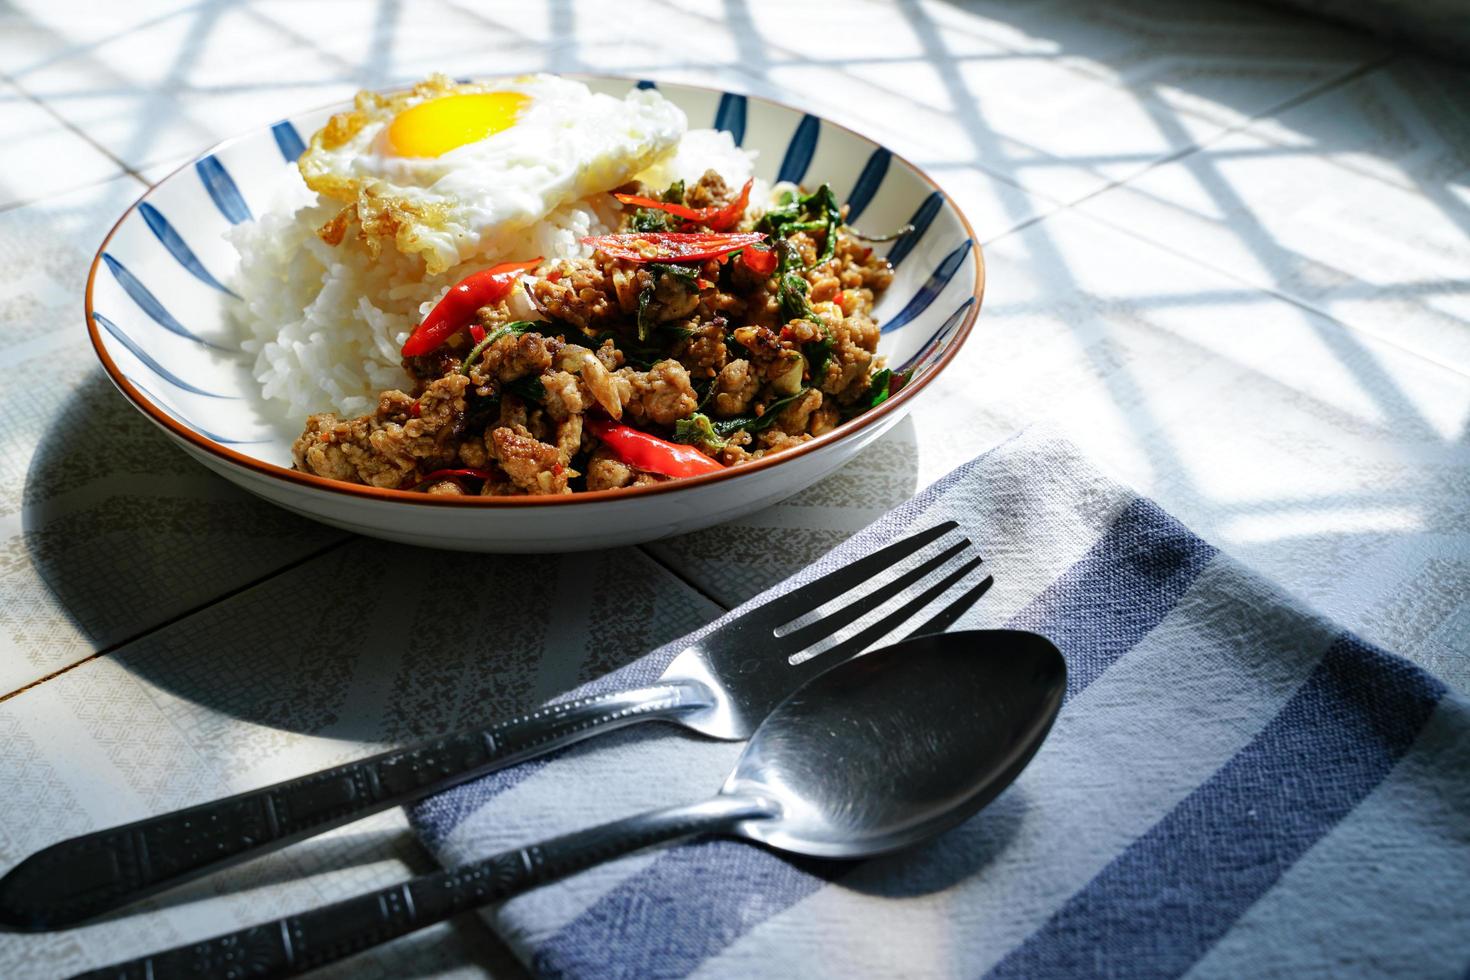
(685, 579)
(88, 185)
(1275, 293)
(1295, 101)
(1270, 290)
(275, 573)
(55, 673)
(1059, 205)
(181, 616)
(69, 126)
(1290, 103)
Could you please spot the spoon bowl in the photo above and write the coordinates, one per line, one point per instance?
(897, 746)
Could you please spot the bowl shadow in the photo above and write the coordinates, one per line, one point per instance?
(128, 532)
(230, 603)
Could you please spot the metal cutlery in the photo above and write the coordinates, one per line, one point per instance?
(721, 686)
(876, 753)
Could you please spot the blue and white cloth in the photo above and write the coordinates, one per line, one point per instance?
(1235, 787)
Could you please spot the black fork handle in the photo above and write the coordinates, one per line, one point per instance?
(299, 943)
(81, 877)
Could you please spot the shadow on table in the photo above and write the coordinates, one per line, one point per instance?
(381, 642)
(336, 861)
(319, 633)
(128, 532)
(230, 603)
(733, 562)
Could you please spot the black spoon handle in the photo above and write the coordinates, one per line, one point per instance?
(81, 877)
(298, 943)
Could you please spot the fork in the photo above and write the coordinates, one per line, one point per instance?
(722, 686)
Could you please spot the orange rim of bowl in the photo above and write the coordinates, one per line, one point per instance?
(846, 429)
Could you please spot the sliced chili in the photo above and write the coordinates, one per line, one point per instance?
(672, 246)
(729, 216)
(761, 261)
(716, 218)
(677, 210)
(458, 306)
(649, 452)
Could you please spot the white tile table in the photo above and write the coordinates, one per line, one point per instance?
(1229, 254)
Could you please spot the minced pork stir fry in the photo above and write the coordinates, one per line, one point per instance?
(680, 347)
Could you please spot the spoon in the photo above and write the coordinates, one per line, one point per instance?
(877, 753)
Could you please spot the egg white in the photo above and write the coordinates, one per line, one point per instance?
(475, 200)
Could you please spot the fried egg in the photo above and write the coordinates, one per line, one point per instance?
(452, 171)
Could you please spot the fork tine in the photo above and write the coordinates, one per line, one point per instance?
(855, 610)
(946, 617)
(865, 637)
(791, 605)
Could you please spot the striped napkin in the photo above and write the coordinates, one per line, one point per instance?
(1235, 787)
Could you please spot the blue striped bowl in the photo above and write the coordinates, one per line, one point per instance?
(157, 311)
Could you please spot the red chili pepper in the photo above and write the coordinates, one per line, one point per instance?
(761, 261)
(458, 306)
(649, 452)
(477, 332)
(729, 216)
(677, 210)
(672, 246)
(415, 409)
(715, 218)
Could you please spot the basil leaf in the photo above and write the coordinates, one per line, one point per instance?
(877, 392)
(755, 423)
(707, 393)
(824, 208)
(651, 219)
(514, 328)
(817, 211)
(775, 221)
(818, 353)
(645, 319)
(657, 270)
(698, 431)
(792, 293)
(686, 273)
(528, 388)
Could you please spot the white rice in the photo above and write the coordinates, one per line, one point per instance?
(326, 323)
(700, 150)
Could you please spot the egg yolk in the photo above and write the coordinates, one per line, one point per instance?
(437, 126)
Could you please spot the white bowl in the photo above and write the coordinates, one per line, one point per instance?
(157, 301)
